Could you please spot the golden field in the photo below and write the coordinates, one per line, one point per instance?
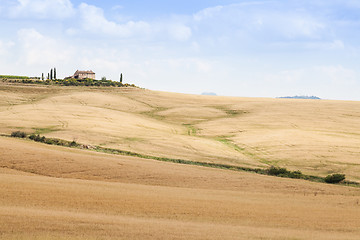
(53, 192)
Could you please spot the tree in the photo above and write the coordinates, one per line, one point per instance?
(103, 78)
(335, 178)
(51, 74)
(42, 76)
(48, 76)
(120, 77)
(55, 73)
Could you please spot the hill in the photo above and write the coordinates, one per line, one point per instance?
(53, 192)
(254, 132)
(301, 97)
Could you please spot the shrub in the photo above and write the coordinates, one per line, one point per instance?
(51, 141)
(18, 134)
(283, 172)
(275, 171)
(296, 174)
(335, 178)
(73, 144)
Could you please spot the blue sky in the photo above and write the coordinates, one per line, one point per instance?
(231, 47)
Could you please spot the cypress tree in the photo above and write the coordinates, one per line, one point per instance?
(51, 74)
(42, 76)
(120, 77)
(55, 73)
(48, 76)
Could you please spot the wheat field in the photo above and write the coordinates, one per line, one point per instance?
(53, 192)
(315, 136)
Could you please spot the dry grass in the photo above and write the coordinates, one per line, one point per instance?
(243, 131)
(52, 192)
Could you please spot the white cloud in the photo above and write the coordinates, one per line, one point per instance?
(37, 49)
(117, 7)
(5, 47)
(2, 48)
(260, 20)
(207, 13)
(326, 74)
(42, 9)
(332, 45)
(297, 25)
(285, 77)
(94, 21)
(338, 74)
(179, 32)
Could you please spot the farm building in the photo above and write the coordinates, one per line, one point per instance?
(83, 74)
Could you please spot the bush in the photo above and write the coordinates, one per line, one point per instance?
(283, 172)
(37, 138)
(18, 134)
(51, 141)
(335, 178)
(296, 174)
(275, 171)
(73, 144)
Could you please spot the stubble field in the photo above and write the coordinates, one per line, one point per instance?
(53, 192)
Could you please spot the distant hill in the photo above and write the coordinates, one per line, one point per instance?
(301, 97)
(209, 93)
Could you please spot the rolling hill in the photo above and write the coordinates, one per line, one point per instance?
(53, 192)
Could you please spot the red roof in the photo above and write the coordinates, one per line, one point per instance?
(83, 72)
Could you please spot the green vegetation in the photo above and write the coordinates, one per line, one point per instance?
(51, 80)
(73, 82)
(88, 82)
(192, 131)
(13, 77)
(271, 171)
(283, 172)
(229, 143)
(18, 134)
(45, 130)
(233, 112)
(53, 141)
(335, 178)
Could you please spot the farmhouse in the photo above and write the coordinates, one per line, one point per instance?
(83, 74)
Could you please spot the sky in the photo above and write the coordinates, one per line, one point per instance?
(267, 48)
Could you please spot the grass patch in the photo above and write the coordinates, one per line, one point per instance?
(230, 144)
(230, 112)
(132, 139)
(45, 130)
(233, 112)
(13, 77)
(153, 113)
(191, 130)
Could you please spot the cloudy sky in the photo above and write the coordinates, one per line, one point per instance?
(230, 47)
